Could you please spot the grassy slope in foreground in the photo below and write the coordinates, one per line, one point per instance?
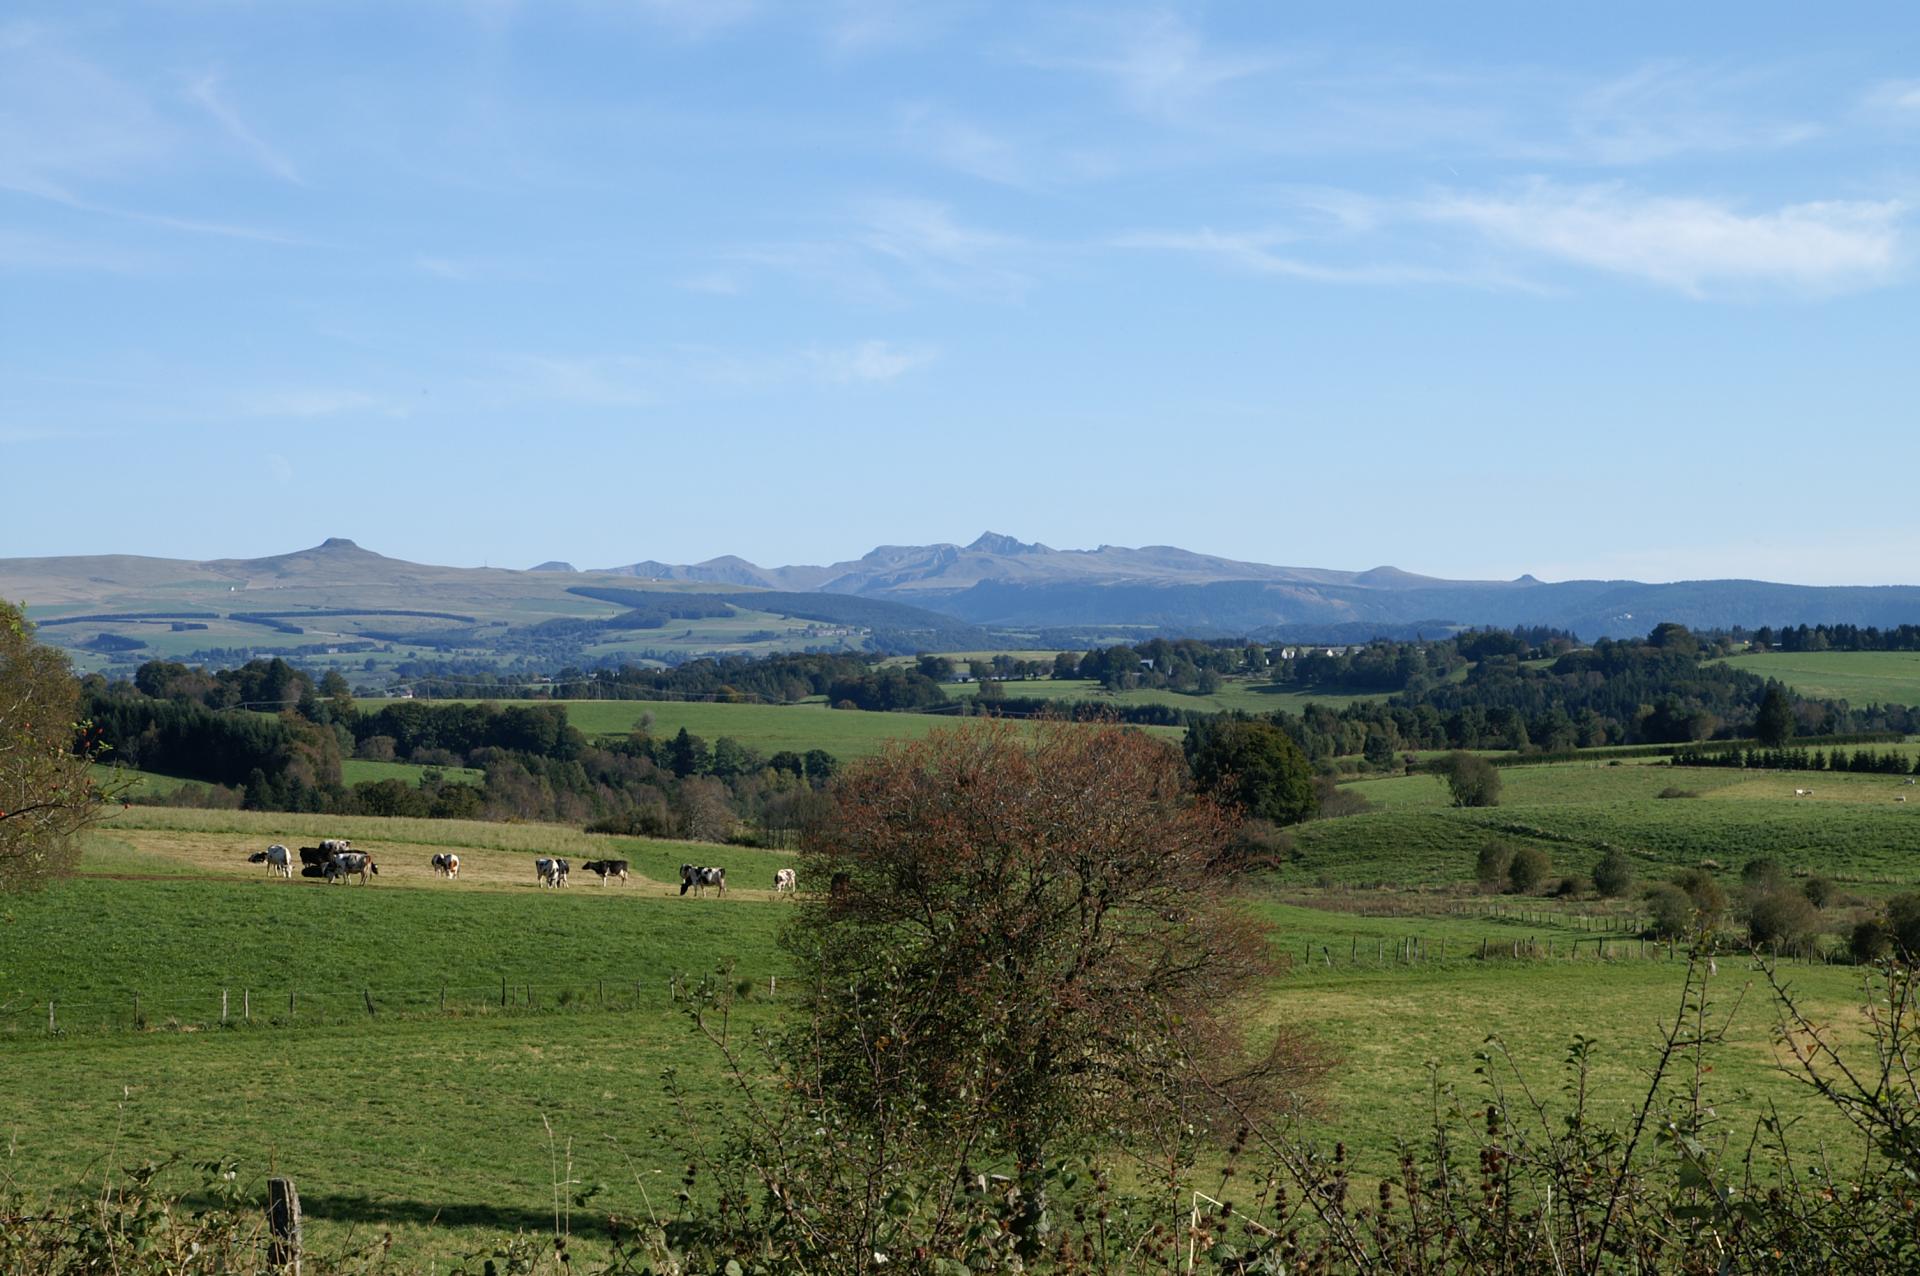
(442, 1134)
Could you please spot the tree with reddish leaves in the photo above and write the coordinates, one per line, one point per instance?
(1031, 946)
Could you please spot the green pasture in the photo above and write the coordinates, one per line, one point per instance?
(1858, 677)
(845, 733)
(446, 1127)
(1243, 695)
(361, 771)
(1853, 827)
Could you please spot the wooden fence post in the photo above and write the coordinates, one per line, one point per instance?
(50, 1024)
(293, 1001)
(246, 1004)
(223, 1007)
(283, 1221)
(367, 993)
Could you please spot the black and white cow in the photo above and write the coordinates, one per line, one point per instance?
(784, 880)
(551, 872)
(447, 865)
(335, 845)
(696, 878)
(350, 864)
(607, 868)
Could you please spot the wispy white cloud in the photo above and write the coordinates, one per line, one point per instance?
(1662, 111)
(1690, 244)
(1159, 63)
(963, 145)
(868, 361)
(65, 119)
(1899, 99)
(1261, 252)
(926, 239)
(205, 93)
(864, 26)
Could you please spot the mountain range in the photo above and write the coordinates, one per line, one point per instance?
(997, 584)
(1002, 582)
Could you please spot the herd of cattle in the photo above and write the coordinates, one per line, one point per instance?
(335, 860)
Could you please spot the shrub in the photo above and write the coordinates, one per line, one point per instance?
(1613, 875)
(1335, 800)
(1672, 791)
(1871, 940)
(1903, 923)
(1490, 869)
(1259, 844)
(1571, 885)
(1672, 910)
(1763, 872)
(1709, 901)
(1473, 781)
(1528, 870)
(1818, 890)
(1782, 917)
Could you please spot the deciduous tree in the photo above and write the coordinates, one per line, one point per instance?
(47, 794)
(1252, 765)
(1030, 945)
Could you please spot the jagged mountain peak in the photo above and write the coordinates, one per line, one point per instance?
(999, 543)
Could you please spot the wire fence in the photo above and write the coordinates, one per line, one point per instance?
(239, 1006)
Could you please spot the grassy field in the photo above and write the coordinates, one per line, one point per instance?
(845, 733)
(360, 771)
(1236, 694)
(1858, 677)
(434, 1123)
(1852, 827)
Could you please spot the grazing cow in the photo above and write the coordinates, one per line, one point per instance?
(607, 868)
(696, 878)
(551, 872)
(1803, 792)
(783, 880)
(447, 866)
(350, 864)
(279, 863)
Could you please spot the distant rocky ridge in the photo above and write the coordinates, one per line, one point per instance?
(997, 582)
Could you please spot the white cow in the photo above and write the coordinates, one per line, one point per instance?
(1803, 792)
(279, 863)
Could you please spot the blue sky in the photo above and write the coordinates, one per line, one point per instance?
(1582, 291)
